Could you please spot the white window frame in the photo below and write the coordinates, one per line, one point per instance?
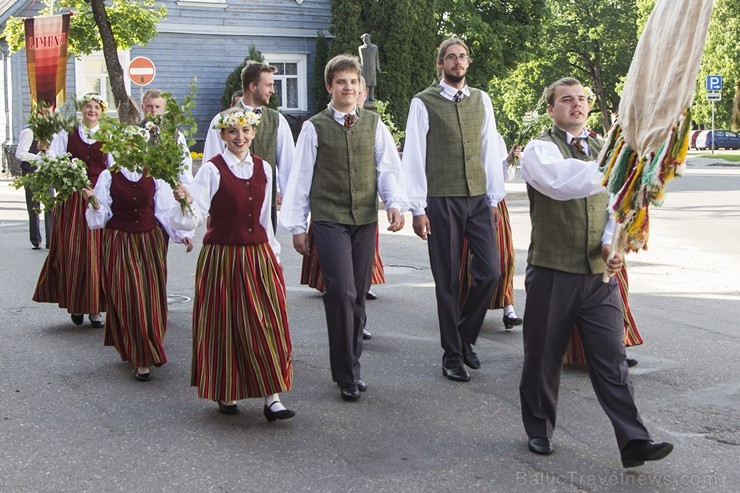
(80, 76)
(202, 3)
(301, 59)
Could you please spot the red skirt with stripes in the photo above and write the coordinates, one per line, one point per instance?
(504, 294)
(72, 275)
(136, 267)
(574, 354)
(241, 341)
(311, 269)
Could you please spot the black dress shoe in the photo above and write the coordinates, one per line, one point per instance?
(232, 409)
(77, 319)
(366, 335)
(541, 445)
(638, 451)
(273, 415)
(457, 374)
(371, 296)
(361, 386)
(97, 324)
(350, 391)
(631, 362)
(36, 247)
(510, 322)
(469, 357)
(142, 377)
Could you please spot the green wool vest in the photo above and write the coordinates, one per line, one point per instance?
(566, 235)
(454, 166)
(345, 187)
(264, 144)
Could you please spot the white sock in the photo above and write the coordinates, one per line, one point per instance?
(273, 403)
(143, 369)
(509, 311)
(96, 317)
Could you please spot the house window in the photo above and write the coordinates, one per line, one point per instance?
(290, 80)
(91, 75)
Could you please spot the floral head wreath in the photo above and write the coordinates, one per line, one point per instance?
(94, 97)
(590, 96)
(239, 118)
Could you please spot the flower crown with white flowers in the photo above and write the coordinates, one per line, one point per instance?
(94, 97)
(238, 118)
(590, 96)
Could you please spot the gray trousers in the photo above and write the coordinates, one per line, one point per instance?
(556, 301)
(34, 228)
(453, 219)
(346, 255)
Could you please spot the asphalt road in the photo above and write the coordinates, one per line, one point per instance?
(73, 418)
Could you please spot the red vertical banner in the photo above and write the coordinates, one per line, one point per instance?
(46, 57)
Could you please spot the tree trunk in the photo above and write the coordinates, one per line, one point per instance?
(598, 78)
(127, 111)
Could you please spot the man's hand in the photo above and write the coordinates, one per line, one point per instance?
(396, 219)
(614, 264)
(422, 228)
(495, 216)
(515, 152)
(188, 242)
(301, 243)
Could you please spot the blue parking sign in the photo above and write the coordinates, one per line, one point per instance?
(714, 82)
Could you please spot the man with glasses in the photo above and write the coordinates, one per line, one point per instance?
(452, 167)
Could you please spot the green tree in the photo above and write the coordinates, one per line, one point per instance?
(234, 80)
(346, 17)
(96, 26)
(321, 57)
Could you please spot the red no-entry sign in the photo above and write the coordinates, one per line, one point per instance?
(141, 71)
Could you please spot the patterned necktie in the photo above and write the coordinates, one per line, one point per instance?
(458, 96)
(349, 120)
(258, 112)
(577, 144)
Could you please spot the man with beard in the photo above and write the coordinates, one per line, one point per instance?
(452, 167)
(273, 141)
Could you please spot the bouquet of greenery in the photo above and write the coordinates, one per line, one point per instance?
(45, 121)
(154, 145)
(63, 173)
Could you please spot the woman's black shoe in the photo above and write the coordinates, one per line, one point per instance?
(77, 319)
(273, 415)
(142, 377)
(232, 409)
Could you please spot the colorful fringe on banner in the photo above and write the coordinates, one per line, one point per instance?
(46, 58)
(636, 182)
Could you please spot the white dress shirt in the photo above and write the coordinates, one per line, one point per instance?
(508, 170)
(206, 184)
(163, 202)
(296, 202)
(22, 151)
(285, 146)
(415, 151)
(185, 176)
(58, 146)
(546, 170)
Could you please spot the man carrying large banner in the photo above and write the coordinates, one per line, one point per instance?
(46, 58)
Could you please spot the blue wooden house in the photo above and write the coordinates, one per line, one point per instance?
(206, 39)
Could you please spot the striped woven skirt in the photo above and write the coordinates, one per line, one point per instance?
(574, 354)
(241, 341)
(311, 269)
(136, 268)
(72, 275)
(504, 294)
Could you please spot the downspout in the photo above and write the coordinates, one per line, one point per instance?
(4, 55)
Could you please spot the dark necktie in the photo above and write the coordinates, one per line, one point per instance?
(577, 144)
(349, 120)
(258, 112)
(458, 96)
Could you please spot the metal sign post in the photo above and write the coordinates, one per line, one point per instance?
(713, 136)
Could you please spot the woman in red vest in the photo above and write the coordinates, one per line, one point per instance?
(72, 275)
(241, 342)
(130, 205)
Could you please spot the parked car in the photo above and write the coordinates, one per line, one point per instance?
(723, 139)
(692, 138)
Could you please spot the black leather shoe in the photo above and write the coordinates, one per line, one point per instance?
(232, 409)
(371, 296)
(271, 415)
(631, 362)
(638, 451)
(350, 391)
(541, 445)
(361, 386)
(77, 319)
(366, 335)
(97, 324)
(510, 322)
(36, 247)
(142, 377)
(457, 374)
(469, 357)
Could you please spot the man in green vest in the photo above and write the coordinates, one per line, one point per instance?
(273, 141)
(570, 245)
(345, 157)
(452, 169)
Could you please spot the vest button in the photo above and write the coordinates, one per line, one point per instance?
(250, 198)
(136, 210)
(590, 208)
(134, 199)
(137, 221)
(249, 184)
(249, 230)
(249, 215)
